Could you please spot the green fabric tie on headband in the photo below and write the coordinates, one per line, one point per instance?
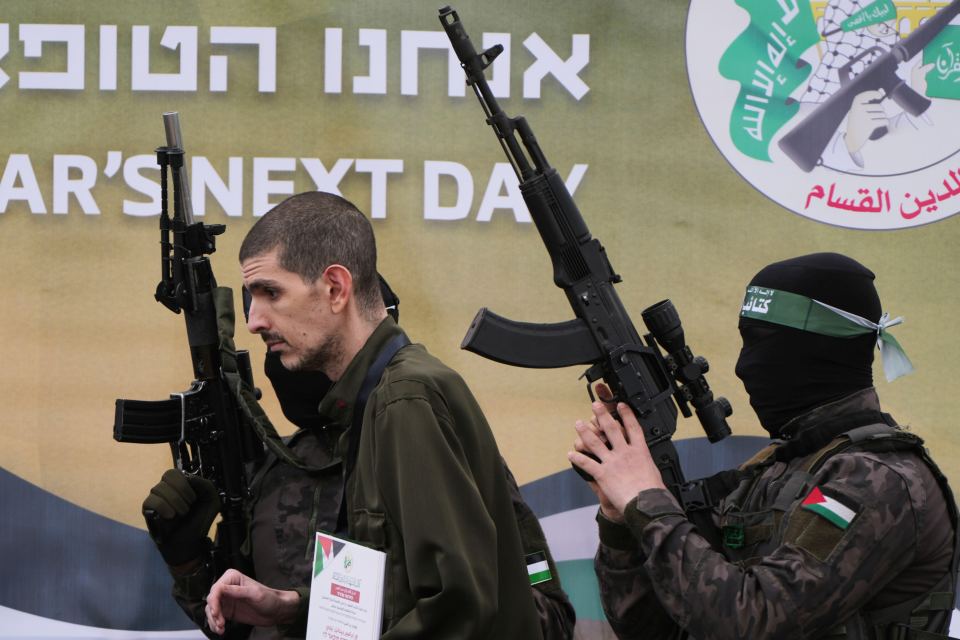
(806, 314)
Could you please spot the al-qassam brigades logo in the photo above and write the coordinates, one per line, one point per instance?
(844, 111)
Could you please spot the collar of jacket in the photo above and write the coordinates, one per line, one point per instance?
(857, 403)
(337, 406)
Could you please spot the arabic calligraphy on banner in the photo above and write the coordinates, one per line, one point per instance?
(867, 139)
(879, 11)
(947, 64)
(910, 206)
(943, 81)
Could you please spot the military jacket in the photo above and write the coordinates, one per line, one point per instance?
(428, 489)
(290, 502)
(802, 553)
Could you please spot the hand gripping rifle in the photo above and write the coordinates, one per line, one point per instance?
(804, 144)
(602, 334)
(208, 426)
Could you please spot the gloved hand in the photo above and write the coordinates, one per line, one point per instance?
(179, 512)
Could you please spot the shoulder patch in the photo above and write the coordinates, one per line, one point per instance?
(819, 524)
(836, 512)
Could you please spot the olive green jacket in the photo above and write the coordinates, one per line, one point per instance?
(289, 503)
(429, 489)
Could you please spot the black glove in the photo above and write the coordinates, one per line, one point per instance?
(179, 512)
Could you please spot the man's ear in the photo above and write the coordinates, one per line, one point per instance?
(339, 281)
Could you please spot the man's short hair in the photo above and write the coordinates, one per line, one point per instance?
(314, 230)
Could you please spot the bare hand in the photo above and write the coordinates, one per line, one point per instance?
(866, 116)
(236, 597)
(626, 467)
(918, 76)
(606, 507)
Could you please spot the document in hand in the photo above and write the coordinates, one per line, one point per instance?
(346, 593)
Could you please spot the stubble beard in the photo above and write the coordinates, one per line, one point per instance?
(319, 358)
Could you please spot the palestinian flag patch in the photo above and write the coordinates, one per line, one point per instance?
(537, 568)
(833, 510)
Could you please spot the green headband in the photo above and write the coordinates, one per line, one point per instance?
(806, 314)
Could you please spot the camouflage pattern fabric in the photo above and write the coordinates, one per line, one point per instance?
(785, 571)
(289, 504)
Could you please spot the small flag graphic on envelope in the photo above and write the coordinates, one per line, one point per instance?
(326, 551)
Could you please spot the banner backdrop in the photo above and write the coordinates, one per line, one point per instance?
(666, 120)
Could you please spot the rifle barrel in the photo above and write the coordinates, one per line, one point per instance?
(921, 37)
(171, 125)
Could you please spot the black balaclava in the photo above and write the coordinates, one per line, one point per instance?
(300, 392)
(788, 372)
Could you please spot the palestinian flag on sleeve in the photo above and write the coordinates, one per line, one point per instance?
(833, 510)
(537, 568)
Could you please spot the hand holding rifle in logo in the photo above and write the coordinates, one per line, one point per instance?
(878, 78)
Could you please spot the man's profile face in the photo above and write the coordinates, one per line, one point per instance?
(293, 317)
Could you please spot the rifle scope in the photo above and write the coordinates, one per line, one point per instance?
(663, 322)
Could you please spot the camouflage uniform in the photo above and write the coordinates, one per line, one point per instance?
(290, 503)
(789, 572)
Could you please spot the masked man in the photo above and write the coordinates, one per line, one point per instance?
(843, 527)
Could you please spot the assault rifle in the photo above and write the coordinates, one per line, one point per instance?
(205, 426)
(804, 144)
(602, 334)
